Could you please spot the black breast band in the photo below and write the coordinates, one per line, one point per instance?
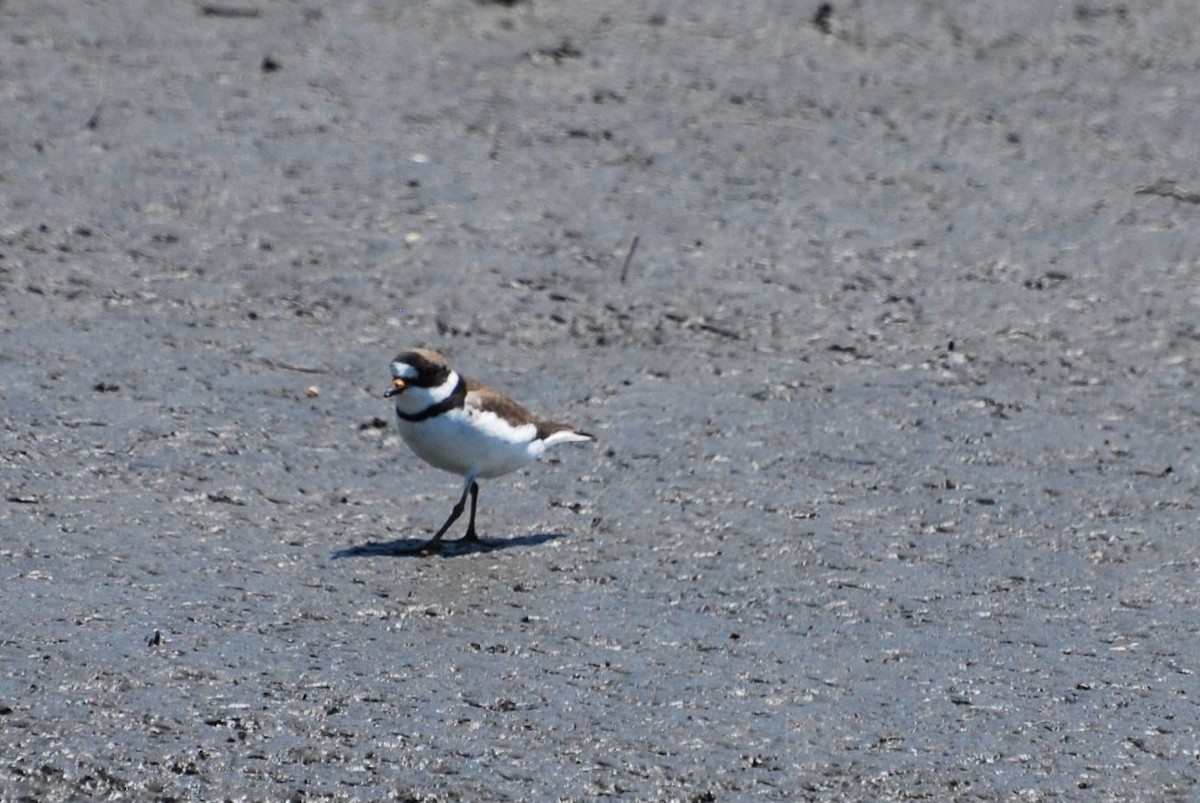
(455, 399)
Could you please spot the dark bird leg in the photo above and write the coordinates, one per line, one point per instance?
(433, 544)
(470, 537)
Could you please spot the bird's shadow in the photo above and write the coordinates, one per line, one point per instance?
(415, 547)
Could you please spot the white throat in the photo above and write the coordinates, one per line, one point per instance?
(414, 399)
(442, 391)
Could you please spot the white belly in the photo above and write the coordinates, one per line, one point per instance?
(468, 441)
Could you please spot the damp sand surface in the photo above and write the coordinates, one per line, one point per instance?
(894, 497)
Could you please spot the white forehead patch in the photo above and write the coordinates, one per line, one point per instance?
(402, 370)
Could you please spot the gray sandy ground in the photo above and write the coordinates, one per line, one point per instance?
(895, 494)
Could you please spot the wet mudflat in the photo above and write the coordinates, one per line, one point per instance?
(895, 491)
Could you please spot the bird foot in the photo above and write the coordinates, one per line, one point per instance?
(432, 547)
(472, 543)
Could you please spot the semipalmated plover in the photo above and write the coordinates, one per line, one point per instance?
(465, 427)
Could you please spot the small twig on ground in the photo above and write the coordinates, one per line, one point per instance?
(629, 257)
(1166, 188)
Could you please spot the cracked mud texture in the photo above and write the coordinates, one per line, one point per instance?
(895, 493)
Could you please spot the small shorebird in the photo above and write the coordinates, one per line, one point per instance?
(465, 427)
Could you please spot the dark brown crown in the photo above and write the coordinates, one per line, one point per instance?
(431, 367)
